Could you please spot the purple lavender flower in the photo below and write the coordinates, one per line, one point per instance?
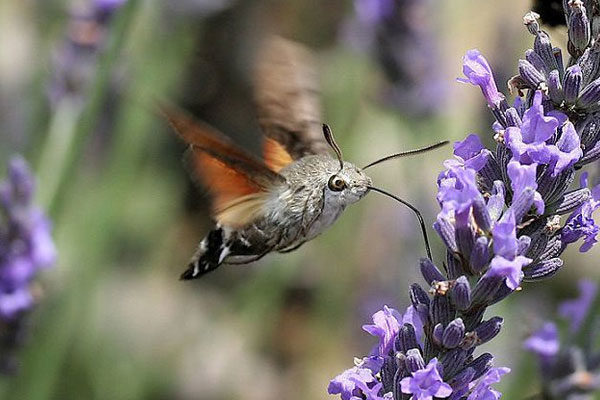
(74, 62)
(349, 384)
(544, 342)
(500, 221)
(522, 181)
(482, 389)
(425, 384)
(25, 241)
(470, 154)
(478, 72)
(569, 370)
(575, 310)
(505, 236)
(512, 270)
(386, 324)
(580, 223)
(458, 190)
(25, 247)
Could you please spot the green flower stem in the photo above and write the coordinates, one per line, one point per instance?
(61, 154)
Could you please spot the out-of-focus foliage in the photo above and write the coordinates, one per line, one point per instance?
(79, 82)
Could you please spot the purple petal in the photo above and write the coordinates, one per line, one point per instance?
(505, 238)
(567, 150)
(386, 324)
(509, 269)
(11, 304)
(478, 72)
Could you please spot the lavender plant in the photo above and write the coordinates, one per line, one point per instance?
(26, 246)
(501, 221)
(569, 368)
(75, 62)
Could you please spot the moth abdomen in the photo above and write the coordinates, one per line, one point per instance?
(211, 252)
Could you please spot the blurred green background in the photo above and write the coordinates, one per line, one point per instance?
(77, 93)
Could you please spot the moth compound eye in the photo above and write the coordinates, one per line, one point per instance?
(336, 183)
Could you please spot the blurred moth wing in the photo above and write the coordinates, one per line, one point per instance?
(239, 184)
(287, 98)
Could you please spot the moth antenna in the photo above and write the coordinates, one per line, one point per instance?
(331, 142)
(407, 153)
(415, 210)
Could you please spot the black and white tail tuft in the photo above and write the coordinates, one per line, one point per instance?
(209, 256)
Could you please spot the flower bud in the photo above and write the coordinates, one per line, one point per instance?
(543, 47)
(590, 95)
(543, 269)
(485, 289)
(453, 360)
(573, 199)
(481, 364)
(536, 61)
(522, 203)
(430, 272)
(573, 78)
(414, 361)
(480, 255)
(481, 215)
(453, 334)
(438, 334)
(523, 245)
(487, 330)
(441, 311)
(406, 339)
(555, 90)
(513, 118)
(579, 26)
(461, 294)
(530, 20)
(420, 301)
(530, 74)
(447, 232)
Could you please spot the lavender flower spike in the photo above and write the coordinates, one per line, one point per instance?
(25, 247)
(25, 241)
(478, 72)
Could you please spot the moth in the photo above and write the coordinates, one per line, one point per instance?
(296, 191)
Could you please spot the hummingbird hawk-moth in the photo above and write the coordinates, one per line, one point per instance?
(296, 191)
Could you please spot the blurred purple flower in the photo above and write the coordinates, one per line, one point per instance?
(478, 72)
(544, 342)
(577, 309)
(425, 384)
(25, 241)
(373, 11)
(399, 35)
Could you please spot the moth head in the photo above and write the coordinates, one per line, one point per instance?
(346, 183)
